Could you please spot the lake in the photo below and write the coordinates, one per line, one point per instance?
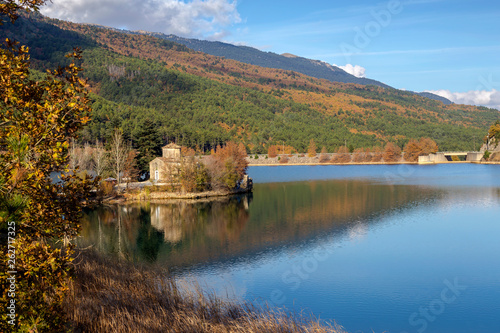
(400, 248)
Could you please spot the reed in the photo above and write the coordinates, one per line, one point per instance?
(110, 295)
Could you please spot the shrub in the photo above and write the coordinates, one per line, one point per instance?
(323, 158)
(486, 155)
(107, 188)
(284, 160)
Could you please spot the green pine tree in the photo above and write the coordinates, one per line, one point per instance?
(148, 143)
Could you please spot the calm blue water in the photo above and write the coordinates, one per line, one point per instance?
(429, 175)
(375, 248)
(428, 266)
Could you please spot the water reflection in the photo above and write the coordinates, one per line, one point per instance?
(181, 234)
(218, 219)
(149, 231)
(390, 245)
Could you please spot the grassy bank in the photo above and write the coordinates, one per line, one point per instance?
(147, 195)
(110, 295)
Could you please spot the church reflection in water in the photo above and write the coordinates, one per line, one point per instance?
(166, 230)
(218, 218)
(178, 234)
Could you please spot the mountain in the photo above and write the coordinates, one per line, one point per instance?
(253, 56)
(201, 100)
(286, 61)
(434, 97)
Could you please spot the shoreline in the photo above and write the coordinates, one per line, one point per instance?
(369, 163)
(147, 298)
(345, 164)
(172, 196)
(212, 195)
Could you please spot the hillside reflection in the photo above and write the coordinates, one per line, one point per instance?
(180, 234)
(141, 231)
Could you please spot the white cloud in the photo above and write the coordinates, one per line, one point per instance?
(195, 18)
(355, 70)
(486, 98)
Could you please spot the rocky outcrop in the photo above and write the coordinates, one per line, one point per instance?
(493, 146)
(494, 157)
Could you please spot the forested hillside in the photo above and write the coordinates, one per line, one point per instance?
(201, 100)
(253, 56)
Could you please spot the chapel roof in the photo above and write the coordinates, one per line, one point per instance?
(172, 146)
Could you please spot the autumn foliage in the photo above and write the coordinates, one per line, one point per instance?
(38, 118)
(227, 166)
(392, 153)
(311, 151)
(428, 146)
(493, 136)
(272, 151)
(189, 152)
(323, 157)
(414, 149)
(342, 156)
(193, 176)
(362, 155)
(377, 154)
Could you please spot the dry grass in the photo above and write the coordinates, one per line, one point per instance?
(115, 296)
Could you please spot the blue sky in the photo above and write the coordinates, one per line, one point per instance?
(446, 46)
(425, 45)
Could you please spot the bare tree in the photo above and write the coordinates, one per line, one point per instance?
(118, 154)
(100, 159)
(85, 157)
(80, 157)
(73, 159)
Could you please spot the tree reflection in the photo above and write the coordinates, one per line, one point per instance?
(149, 240)
(183, 233)
(148, 230)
